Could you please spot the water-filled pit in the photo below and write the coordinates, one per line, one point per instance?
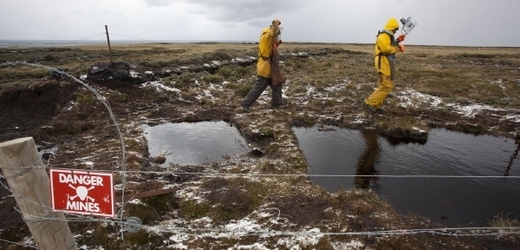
(454, 178)
(194, 143)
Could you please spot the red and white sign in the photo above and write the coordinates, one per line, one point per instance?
(81, 192)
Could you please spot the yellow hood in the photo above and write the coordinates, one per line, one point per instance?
(392, 24)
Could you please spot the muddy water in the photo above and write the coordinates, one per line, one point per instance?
(194, 143)
(452, 201)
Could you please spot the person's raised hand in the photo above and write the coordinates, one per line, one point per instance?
(401, 37)
(401, 47)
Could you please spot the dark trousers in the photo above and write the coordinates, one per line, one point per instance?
(261, 84)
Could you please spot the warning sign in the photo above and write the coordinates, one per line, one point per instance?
(82, 192)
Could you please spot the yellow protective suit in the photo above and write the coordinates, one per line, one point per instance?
(384, 48)
(265, 48)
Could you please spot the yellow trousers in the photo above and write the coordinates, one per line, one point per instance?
(384, 87)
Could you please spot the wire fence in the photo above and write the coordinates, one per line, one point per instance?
(103, 35)
(103, 100)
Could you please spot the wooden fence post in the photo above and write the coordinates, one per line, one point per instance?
(26, 176)
(108, 41)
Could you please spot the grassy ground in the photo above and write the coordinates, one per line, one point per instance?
(435, 87)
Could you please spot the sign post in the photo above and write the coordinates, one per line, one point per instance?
(26, 176)
(81, 192)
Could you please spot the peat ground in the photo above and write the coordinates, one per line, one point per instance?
(471, 90)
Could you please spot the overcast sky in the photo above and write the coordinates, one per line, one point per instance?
(439, 22)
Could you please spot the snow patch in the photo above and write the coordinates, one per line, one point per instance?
(470, 110)
(159, 86)
(412, 98)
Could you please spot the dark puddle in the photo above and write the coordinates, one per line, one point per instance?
(472, 201)
(194, 143)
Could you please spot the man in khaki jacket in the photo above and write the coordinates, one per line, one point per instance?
(268, 38)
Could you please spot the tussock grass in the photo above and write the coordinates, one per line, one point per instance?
(504, 220)
(403, 129)
(227, 199)
(17, 73)
(475, 129)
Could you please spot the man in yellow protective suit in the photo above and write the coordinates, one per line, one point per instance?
(385, 49)
(268, 38)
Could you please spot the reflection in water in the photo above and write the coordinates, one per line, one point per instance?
(512, 158)
(367, 160)
(471, 200)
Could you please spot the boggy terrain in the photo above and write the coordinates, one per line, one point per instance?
(255, 201)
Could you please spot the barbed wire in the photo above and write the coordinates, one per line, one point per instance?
(104, 34)
(231, 175)
(127, 36)
(455, 232)
(85, 38)
(445, 231)
(168, 171)
(18, 244)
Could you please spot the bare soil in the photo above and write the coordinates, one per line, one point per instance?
(59, 112)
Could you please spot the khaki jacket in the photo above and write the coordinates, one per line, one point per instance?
(265, 49)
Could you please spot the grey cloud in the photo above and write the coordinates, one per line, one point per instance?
(160, 3)
(440, 22)
(248, 11)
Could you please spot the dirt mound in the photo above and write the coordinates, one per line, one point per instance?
(25, 110)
